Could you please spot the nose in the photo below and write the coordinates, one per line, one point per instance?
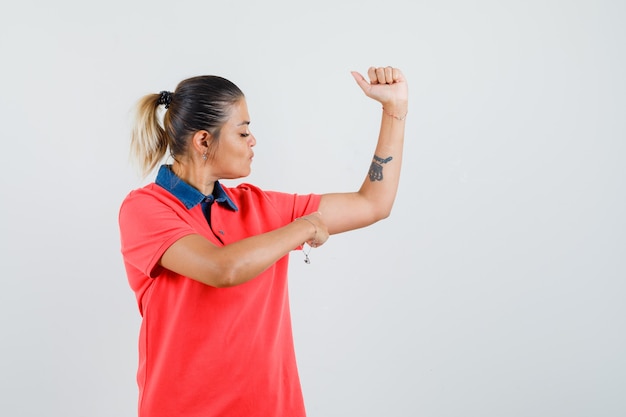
(251, 140)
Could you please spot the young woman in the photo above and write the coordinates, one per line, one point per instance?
(208, 263)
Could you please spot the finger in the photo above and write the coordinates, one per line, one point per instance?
(371, 72)
(380, 75)
(396, 75)
(362, 82)
(389, 75)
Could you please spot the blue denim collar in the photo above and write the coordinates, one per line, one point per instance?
(187, 194)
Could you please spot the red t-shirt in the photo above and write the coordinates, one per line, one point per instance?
(206, 351)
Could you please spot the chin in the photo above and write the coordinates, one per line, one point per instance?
(238, 175)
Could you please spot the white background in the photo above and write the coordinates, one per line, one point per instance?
(497, 286)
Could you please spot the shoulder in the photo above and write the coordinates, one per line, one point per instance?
(151, 200)
(150, 194)
(250, 197)
(245, 187)
(247, 192)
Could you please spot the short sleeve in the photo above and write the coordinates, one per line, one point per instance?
(287, 206)
(149, 225)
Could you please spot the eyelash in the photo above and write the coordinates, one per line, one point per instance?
(245, 135)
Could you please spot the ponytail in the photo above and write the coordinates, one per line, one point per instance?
(148, 139)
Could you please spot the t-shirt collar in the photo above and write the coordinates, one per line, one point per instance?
(187, 194)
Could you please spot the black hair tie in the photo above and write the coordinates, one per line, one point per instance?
(165, 98)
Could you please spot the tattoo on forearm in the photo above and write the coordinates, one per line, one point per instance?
(376, 169)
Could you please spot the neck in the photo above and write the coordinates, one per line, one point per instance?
(196, 176)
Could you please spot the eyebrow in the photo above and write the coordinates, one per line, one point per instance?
(245, 122)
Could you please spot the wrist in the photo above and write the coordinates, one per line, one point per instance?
(312, 224)
(397, 109)
(395, 113)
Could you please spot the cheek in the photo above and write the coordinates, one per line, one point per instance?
(244, 148)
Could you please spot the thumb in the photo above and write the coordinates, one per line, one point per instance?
(361, 81)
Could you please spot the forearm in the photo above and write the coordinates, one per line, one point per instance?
(374, 199)
(241, 261)
(380, 186)
(195, 257)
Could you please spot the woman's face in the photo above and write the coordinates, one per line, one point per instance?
(233, 157)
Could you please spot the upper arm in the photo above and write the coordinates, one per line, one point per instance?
(342, 212)
(195, 257)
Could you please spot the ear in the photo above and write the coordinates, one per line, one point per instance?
(200, 141)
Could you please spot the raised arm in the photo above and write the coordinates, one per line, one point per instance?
(373, 201)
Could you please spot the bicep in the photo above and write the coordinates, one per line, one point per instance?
(342, 212)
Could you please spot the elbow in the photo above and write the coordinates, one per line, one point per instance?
(372, 216)
(381, 214)
(217, 275)
(222, 283)
(231, 274)
(226, 279)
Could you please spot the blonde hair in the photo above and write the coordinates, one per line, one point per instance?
(148, 142)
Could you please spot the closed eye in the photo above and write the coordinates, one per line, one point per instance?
(245, 135)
